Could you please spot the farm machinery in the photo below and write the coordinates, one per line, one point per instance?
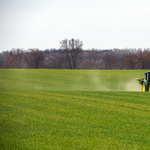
(145, 82)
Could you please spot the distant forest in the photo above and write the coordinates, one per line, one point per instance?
(71, 55)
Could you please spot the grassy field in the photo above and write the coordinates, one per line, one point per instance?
(70, 80)
(73, 109)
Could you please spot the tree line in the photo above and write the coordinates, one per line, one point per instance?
(71, 55)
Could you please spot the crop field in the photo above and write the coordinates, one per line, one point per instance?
(73, 109)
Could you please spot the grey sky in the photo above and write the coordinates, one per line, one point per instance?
(99, 24)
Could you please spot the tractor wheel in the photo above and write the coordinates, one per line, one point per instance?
(143, 87)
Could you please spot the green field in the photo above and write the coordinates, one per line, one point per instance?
(73, 109)
(70, 80)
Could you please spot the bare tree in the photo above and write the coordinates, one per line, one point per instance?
(144, 59)
(72, 56)
(15, 59)
(71, 50)
(130, 60)
(110, 60)
(93, 58)
(35, 58)
(54, 62)
(3, 56)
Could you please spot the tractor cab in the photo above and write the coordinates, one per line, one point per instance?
(147, 76)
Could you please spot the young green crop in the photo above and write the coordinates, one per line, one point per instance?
(70, 80)
(74, 120)
(72, 109)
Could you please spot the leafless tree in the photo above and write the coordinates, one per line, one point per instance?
(15, 59)
(130, 60)
(72, 56)
(110, 60)
(144, 59)
(3, 56)
(35, 58)
(54, 61)
(93, 57)
(71, 50)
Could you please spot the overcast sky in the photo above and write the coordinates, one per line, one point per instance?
(99, 24)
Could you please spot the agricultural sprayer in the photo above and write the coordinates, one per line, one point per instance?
(145, 82)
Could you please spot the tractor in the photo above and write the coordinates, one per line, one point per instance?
(145, 82)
